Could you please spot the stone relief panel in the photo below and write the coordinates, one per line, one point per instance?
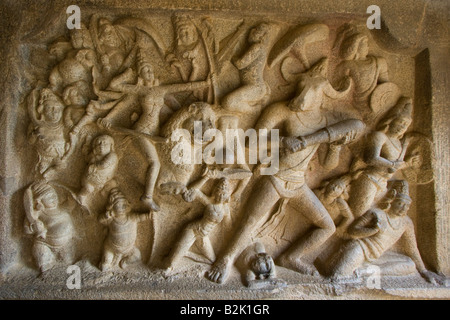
(174, 143)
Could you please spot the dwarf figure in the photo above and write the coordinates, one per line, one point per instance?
(261, 272)
(47, 130)
(119, 247)
(49, 222)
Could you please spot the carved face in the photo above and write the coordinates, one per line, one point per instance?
(221, 195)
(147, 74)
(335, 189)
(109, 36)
(262, 264)
(197, 125)
(187, 35)
(121, 207)
(53, 111)
(257, 34)
(399, 207)
(103, 145)
(77, 38)
(399, 125)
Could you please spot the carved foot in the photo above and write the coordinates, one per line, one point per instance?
(129, 261)
(148, 201)
(105, 267)
(219, 272)
(44, 268)
(343, 279)
(297, 265)
(168, 272)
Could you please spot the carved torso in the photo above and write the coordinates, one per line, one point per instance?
(58, 224)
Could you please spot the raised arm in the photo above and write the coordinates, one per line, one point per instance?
(192, 194)
(180, 87)
(105, 218)
(139, 217)
(249, 56)
(123, 82)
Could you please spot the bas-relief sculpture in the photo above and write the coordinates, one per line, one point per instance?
(118, 91)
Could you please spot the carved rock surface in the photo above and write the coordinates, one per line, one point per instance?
(160, 149)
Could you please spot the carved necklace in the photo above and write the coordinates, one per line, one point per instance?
(55, 126)
(393, 225)
(398, 148)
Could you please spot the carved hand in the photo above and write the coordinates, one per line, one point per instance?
(398, 164)
(105, 123)
(378, 223)
(349, 137)
(214, 174)
(293, 144)
(414, 161)
(173, 61)
(190, 195)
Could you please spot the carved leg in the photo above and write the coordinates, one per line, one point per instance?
(86, 189)
(349, 259)
(311, 207)
(107, 260)
(207, 248)
(86, 119)
(152, 173)
(44, 256)
(133, 257)
(239, 99)
(67, 254)
(183, 244)
(257, 212)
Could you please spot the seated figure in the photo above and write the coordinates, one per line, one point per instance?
(376, 232)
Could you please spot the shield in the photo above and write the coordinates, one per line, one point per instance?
(384, 97)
